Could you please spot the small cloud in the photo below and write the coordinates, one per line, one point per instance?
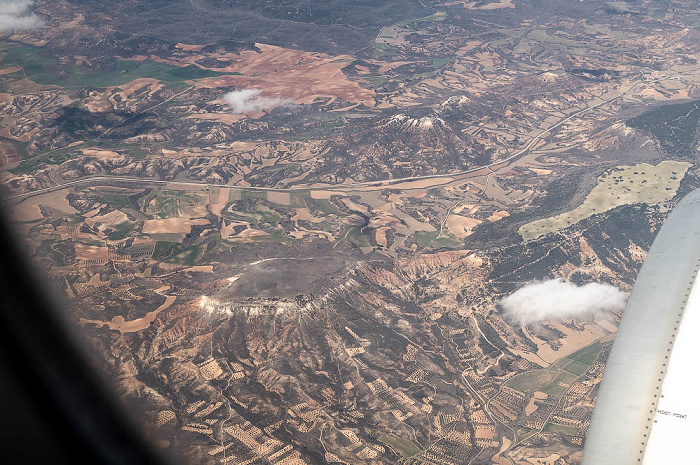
(544, 300)
(16, 14)
(249, 100)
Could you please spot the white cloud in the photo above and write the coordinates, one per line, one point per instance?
(544, 300)
(249, 100)
(16, 14)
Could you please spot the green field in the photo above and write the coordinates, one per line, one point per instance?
(626, 185)
(47, 249)
(567, 430)
(440, 62)
(403, 446)
(531, 381)
(52, 157)
(122, 230)
(373, 81)
(250, 194)
(430, 239)
(161, 249)
(588, 354)
(167, 206)
(256, 212)
(189, 256)
(327, 207)
(382, 50)
(172, 204)
(119, 201)
(42, 70)
(576, 368)
(554, 389)
(297, 198)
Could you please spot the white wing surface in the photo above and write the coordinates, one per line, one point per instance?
(648, 406)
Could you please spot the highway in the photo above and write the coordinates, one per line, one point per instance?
(106, 179)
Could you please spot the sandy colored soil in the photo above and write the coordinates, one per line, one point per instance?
(499, 215)
(280, 198)
(9, 70)
(531, 407)
(573, 341)
(380, 236)
(250, 232)
(408, 185)
(503, 411)
(226, 118)
(500, 461)
(171, 225)
(220, 202)
(483, 433)
(112, 218)
(497, 459)
(190, 48)
(79, 18)
(461, 226)
(304, 214)
(489, 6)
(324, 195)
(608, 325)
(25, 212)
(355, 206)
(227, 229)
(302, 233)
(56, 200)
(198, 269)
(105, 100)
(90, 252)
(280, 72)
(97, 153)
(544, 460)
(119, 324)
(24, 137)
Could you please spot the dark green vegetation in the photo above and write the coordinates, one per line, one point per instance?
(588, 354)
(49, 248)
(403, 446)
(186, 256)
(675, 126)
(565, 370)
(430, 239)
(576, 368)
(162, 248)
(567, 430)
(532, 381)
(54, 157)
(119, 201)
(122, 230)
(559, 384)
(44, 69)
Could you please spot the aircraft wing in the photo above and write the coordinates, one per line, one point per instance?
(648, 406)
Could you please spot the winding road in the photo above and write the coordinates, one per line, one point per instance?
(97, 179)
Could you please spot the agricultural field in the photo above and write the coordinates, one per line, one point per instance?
(533, 381)
(405, 447)
(288, 228)
(624, 185)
